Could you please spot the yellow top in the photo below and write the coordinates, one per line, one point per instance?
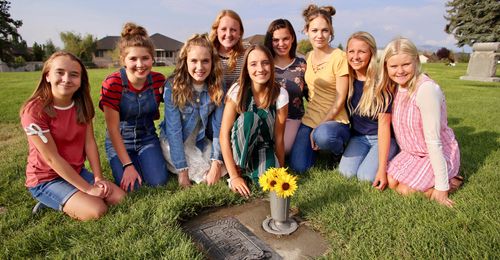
(322, 88)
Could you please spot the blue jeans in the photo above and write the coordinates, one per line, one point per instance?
(147, 159)
(56, 193)
(360, 158)
(330, 136)
(137, 114)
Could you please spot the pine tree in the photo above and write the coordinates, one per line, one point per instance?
(472, 21)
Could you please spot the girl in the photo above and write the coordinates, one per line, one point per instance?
(193, 100)
(253, 123)
(371, 145)
(58, 121)
(429, 157)
(130, 98)
(226, 35)
(325, 122)
(289, 70)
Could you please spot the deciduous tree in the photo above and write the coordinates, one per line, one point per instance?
(81, 46)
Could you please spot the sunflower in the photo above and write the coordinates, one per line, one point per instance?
(268, 180)
(285, 185)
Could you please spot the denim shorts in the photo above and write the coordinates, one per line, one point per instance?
(56, 193)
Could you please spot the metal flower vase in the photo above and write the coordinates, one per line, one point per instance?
(279, 223)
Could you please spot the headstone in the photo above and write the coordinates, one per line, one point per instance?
(483, 62)
(228, 239)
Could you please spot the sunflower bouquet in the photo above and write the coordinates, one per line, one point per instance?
(279, 181)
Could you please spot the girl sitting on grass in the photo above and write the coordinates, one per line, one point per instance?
(370, 146)
(289, 71)
(130, 99)
(194, 100)
(226, 35)
(58, 121)
(430, 158)
(253, 123)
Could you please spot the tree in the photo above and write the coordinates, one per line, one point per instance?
(472, 21)
(340, 46)
(8, 32)
(82, 47)
(304, 46)
(48, 49)
(38, 53)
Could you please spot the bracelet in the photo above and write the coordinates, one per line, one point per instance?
(126, 165)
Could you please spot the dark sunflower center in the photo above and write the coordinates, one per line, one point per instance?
(285, 186)
(272, 183)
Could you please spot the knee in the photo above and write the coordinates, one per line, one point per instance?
(345, 170)
(97, 211)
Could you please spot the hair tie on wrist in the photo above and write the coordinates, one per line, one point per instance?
(126, 165)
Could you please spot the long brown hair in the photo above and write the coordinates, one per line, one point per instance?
(134, 35)
(238, 49)
(245, 82)
(276, 25)
(83, 102)
(182, 91)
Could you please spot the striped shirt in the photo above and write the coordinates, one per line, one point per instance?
(230, 77)
(112, 87)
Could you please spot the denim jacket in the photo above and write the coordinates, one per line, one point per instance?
(180, 123)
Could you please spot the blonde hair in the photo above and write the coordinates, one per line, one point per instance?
(245, 82)
(399, 46)
(134, 35)
(313, 11)
(373, 100)
(238, 49)
(83, 102)
(182, 91)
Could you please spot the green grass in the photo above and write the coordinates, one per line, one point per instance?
(356, 220)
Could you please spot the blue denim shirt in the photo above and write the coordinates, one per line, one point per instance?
(180, 123)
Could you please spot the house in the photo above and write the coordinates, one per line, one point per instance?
(166, 50)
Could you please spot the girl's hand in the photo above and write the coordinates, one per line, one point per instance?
(313, 144)
(106, 185)
(96, 191)
(214, 173)
(442, 198)
(380, 181)
(238, 185)
(130, 176)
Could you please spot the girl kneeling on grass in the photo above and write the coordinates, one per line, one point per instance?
(194, 102)
(370, 146)
(58, 121)
(430, 158)
(130, 99)
(253, 124)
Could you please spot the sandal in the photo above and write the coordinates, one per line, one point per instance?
(455, 183)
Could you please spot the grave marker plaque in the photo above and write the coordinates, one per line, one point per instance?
(228, 239)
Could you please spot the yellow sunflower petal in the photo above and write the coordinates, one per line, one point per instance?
(286, 186)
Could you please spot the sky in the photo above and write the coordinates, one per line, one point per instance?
(422, 21)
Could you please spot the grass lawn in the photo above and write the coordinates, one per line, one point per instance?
(357, 220)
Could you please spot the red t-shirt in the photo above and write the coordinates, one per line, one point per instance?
(68, 134)
(111, 90)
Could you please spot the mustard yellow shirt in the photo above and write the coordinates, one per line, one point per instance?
(322, 88)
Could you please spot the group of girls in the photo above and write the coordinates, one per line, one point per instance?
(238, 112)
